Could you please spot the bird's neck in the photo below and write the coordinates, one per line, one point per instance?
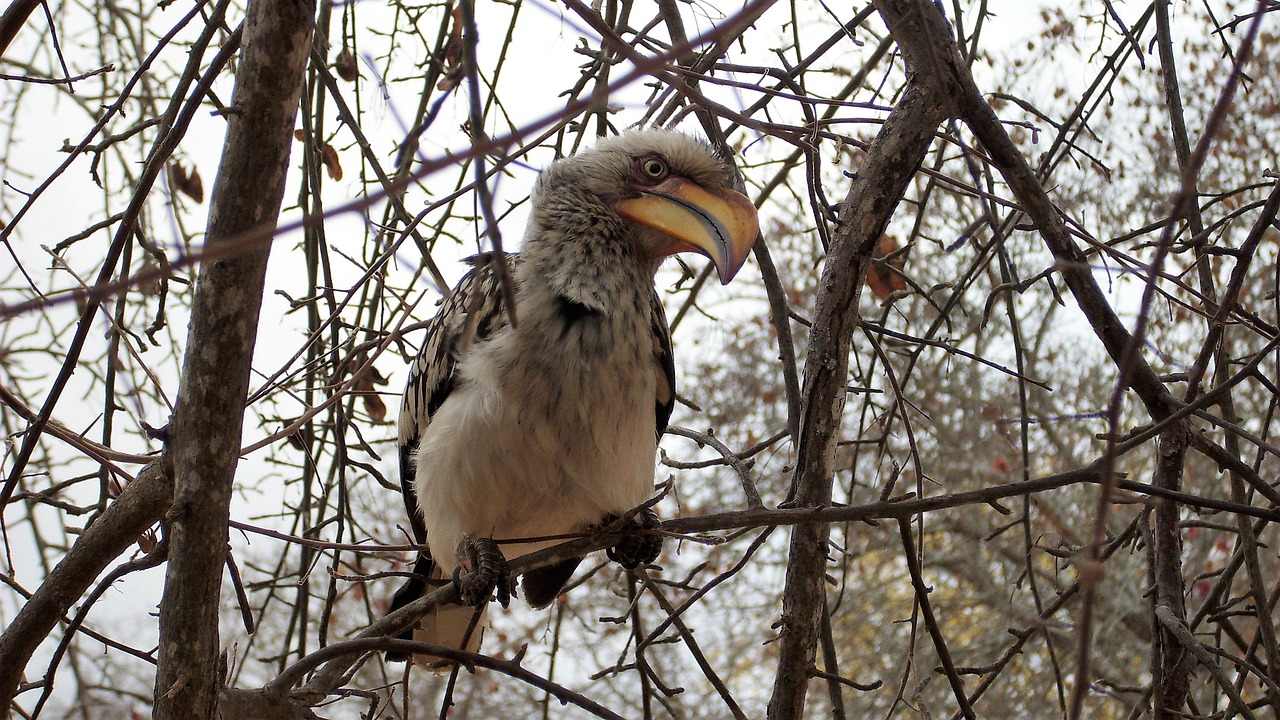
(601, 273)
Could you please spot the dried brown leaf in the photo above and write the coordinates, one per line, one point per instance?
(331, 164)
(188, 184)
(345, 65)
(882, 278)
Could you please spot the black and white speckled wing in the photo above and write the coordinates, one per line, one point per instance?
(473, 312)
(666, 396)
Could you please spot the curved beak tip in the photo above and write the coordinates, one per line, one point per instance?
(742, 227)
(721, 224)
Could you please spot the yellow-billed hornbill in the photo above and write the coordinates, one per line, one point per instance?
(550, 426)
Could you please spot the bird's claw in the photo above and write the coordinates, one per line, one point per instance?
(634, 550)
(489, 573)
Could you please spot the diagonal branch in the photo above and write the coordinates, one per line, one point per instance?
(139, 506)
(924, 39)
(14, 17)
(879, 185)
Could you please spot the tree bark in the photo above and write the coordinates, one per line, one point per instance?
(882, 179)
(208, 417)
(14, 17)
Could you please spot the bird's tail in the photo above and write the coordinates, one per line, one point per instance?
(452, 626)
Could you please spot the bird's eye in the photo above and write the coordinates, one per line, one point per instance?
(651, 169)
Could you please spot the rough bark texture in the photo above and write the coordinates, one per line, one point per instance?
(1170, 661)
(881, 181)
(207, 420)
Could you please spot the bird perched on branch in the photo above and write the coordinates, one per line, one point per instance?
(549, 425)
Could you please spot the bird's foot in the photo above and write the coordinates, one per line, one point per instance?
(489, 573)
(635, 550)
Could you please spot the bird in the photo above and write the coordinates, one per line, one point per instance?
(549, 424)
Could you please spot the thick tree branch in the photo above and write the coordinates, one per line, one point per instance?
(140, 505)
(925, 40)
(1179, 630)
(880, 184)
(14, 17)
(208, 417)
(1170, 666)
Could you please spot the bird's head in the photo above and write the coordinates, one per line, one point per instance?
(673, 190)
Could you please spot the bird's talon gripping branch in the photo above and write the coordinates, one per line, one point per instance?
(456, 576)
(633, 551)
(489, 573)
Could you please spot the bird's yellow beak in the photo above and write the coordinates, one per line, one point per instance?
(720, 224)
